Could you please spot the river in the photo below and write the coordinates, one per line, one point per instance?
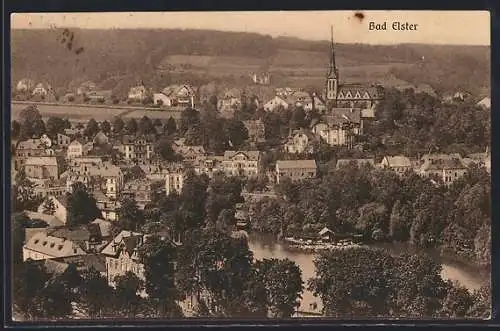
(266, 247)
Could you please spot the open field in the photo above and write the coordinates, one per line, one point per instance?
(82, 113)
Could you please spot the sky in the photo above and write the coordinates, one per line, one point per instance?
(434, 27)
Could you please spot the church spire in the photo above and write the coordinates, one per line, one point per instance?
(332, 79)
(333, 66)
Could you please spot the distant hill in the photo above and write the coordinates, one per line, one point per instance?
(117, 59)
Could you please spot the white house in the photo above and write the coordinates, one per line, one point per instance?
(400, 164)
(137, 93)
(275, 103)
(174, 181)
(25, 85)
(176, 96)
(75, 149)
(246, 163)
(42, 246)
(41, 90)
(485, 103)
(122, 255)
(300, 141)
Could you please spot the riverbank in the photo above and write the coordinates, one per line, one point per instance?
(469, 275)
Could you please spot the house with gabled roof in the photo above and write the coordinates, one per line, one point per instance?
(301, 141)
(339, 127)
(229, 101)
(275, 103)
(43, 246)
(447, 168)
(122, 255)
(400, 164)
(177, 95)
(83, 263)
(242, 163)
(138, 93)
(41, 167)
(296, 169)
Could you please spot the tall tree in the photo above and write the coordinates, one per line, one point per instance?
(91, 129)
(189, 118)
(95, 294)
(118, 125)
(283, 293)
(82, 207)
(127, 298)
(55, 301)
(166, 151)
(15, 129)
(171, 126)
(354, 282)
(159, 258)
(157, 122)
(298, 119)
(106, 127)
(146, 126)
(24, 193)
(131, 127)
(131, 218)
(420, 287)
(71, 279)
(28, 282)
(31, 121)
(55, 125)
(236, 133)
(49, 207)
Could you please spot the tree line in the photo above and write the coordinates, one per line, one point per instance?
(215, 267)
(382, 206)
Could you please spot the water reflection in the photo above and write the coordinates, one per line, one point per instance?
(266, 247)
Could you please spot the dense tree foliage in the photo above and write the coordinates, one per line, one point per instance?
(82, 206)
(91, 129)
(131, 217)
(371, 283)
(118, 125)
(123, 61)
(56, 125)
(281, 293)
(159, 257)
(382, 206)
(23, 193)
(31, 122)
(412, 123)
(106, 127)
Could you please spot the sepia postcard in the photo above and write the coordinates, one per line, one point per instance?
(263, 165)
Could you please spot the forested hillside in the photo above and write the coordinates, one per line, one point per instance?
(117, 59)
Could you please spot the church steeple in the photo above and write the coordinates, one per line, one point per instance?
(333, 67)
(332, 80)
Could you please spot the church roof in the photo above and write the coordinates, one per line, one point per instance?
(357, 91)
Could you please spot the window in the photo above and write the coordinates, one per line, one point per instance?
(44, 243)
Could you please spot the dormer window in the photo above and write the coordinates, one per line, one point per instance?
(36, 241)
(44, 243)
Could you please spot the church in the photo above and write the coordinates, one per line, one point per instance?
(339, 95)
